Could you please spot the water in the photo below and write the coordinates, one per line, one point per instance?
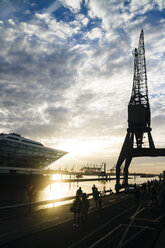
(60, 189)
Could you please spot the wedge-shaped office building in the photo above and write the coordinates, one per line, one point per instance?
(19, 152)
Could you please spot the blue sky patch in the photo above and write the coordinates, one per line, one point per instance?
(64, 14)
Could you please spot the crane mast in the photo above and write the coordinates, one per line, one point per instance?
(138, 108)
(140, 90)
(138, 118)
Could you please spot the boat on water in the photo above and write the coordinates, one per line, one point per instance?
(22, 156)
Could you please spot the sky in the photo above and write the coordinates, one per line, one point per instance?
(66, 75)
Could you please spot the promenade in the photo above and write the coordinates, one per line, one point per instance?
(122, 222)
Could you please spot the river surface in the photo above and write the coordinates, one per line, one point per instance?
(60, 189)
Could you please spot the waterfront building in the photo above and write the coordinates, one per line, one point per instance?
(19, 152)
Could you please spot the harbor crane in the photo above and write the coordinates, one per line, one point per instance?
(139, 118)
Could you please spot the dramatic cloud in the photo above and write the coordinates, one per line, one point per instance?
(66, 71)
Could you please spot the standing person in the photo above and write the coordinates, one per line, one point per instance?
(163, 197)
(32, 189)
(84, 209)
(96, 196)
(93, 190)
(79, 192)
(100, 201)
(154, 196)
(149, 185)
(137, 194)
(76, 209)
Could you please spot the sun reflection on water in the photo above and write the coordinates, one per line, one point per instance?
(56, 177)
(55, 190)
(59, 189)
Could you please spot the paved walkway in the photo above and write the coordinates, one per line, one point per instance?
(20, 226)
(120, 217)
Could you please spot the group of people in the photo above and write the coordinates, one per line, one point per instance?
(80, 208)
(155, 190)
(153, 187)
(97, 196)
(80, 205)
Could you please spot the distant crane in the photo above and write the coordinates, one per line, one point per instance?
(113, 169)
(94, 169)
(138, 118)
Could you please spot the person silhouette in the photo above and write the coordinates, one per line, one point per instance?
(76, 209)
(79, 192)
(84, 209)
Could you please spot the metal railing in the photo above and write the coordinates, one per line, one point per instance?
(41, 203)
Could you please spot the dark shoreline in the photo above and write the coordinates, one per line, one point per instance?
(83, 180)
